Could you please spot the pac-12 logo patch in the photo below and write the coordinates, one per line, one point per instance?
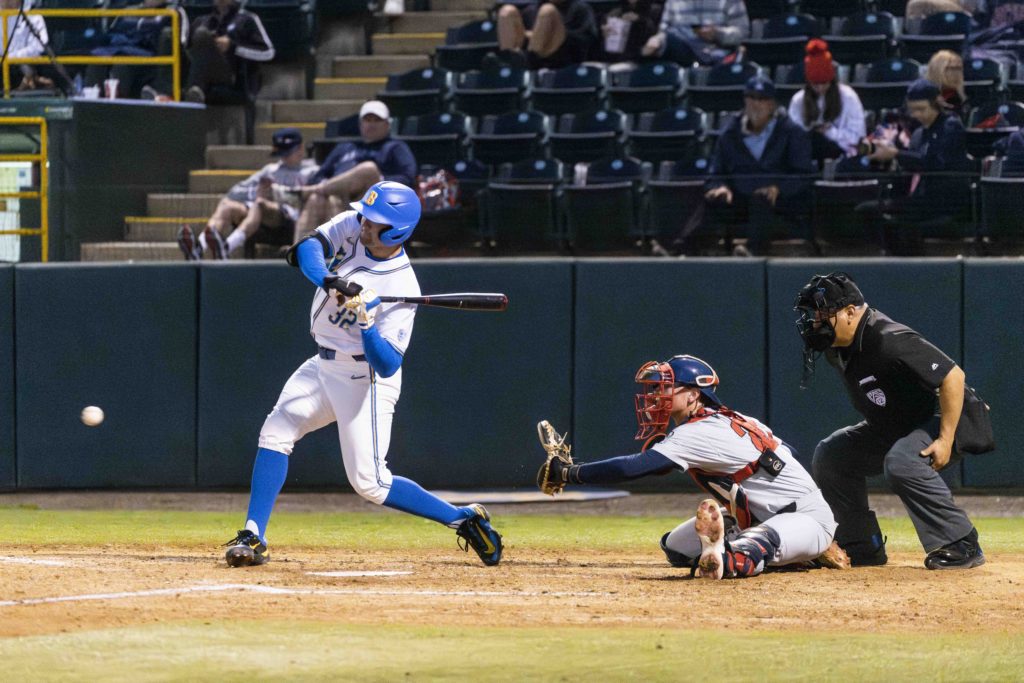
(371, 197)
(877, 396)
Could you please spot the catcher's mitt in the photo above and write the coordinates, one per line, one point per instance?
(554, 473)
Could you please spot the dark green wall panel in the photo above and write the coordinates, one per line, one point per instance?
(922, 293)
(7, 471)
(629, 311)
(122, 337)
(993, 348)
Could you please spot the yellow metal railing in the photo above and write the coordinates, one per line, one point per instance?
(44, 181)
(173, 60)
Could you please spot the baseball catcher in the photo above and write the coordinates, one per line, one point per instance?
(764, 509)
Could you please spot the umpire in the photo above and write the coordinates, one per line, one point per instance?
(917, 411)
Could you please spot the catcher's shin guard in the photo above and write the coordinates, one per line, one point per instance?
(246, 549)
(749, 552)
(477, 532)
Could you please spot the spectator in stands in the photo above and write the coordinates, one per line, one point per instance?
(268, 199)
(760, 169)
(630, 25)
(998, 13)
(553, 34)
(946, 70)
(830, 110)
(919, 9)
(352, 167)
(937, 157)
(223, 47)
(705, 31)
(26, 38)
(1011, 149)
(138, 37)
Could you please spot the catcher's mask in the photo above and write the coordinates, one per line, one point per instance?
(818, 301)
(658, 382)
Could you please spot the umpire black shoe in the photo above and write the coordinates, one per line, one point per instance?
(245, 550)
(963, 554)
(867, 553)
(477, 532)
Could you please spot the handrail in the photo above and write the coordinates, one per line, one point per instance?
(44, 181)
(174, 60)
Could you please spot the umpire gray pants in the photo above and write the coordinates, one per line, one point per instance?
(844, 460)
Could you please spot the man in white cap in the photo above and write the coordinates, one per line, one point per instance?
(352, 167)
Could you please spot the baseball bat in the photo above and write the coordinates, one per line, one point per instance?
(469, 301)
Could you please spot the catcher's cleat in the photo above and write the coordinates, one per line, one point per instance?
(245, 550)
(188, 244)
(710, 528)
(218, 247)
(477, 532)
(834, 557)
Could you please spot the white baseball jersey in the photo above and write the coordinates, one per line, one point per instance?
(334, 326)
(722, 444)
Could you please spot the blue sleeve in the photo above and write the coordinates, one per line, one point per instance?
(623, 468)
(310, 254)
(399, 165)
(381, 355)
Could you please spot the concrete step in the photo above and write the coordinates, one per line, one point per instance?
(314, 110)
(406, 43)
(364, 66)
(215, 180)
(238, 156)
(348, 88)
(462, 5)
(311, 130)
(427, 22)
(181, 204)
(157, 229)
(131, 251)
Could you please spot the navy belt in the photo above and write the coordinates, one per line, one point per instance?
(331, 354)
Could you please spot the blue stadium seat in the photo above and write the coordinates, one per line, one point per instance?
(466, 45)
(417, 92)
(828, 9)
(335, 131)
(522, 206)
(765, 9)
(605, 211)
(436, 139)
(493, 90)
(864, 38)
(883, 85)
(985, 79)
(991, 122)
(671, 133)
(289, 24)
(648, 87)
(719, 88)
(942, 31)
(783, 39)
(588, 136)
(72, 36)
(1002, 205)
(571, 89)
(509, 137)
(674, 196)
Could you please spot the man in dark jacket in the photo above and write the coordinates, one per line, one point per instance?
(937, 158)
(761, 169)
(221, 45)
(352, 167)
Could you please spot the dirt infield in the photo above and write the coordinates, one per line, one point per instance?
(52, 589)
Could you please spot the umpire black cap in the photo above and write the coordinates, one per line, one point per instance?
(829, 293)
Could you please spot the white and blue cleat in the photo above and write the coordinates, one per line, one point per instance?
(478, 533)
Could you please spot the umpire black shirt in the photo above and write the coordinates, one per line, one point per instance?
(891, 373)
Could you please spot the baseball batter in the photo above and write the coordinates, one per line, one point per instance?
(780, 516)
(355, 378)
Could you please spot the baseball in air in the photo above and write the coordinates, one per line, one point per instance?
(92, 416)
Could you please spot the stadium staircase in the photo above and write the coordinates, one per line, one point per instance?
(346, 77)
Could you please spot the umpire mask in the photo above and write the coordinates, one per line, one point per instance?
(817, 302)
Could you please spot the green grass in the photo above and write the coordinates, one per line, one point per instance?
(385, 531)
(239, 651)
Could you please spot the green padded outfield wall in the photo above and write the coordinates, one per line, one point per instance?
(122, 337)
(629, 311)
(7, 460)
(994, 363)
(474, 384)
(922, 293)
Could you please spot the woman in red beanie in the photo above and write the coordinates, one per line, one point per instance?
(830, 110)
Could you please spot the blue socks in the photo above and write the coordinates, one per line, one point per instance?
(408, 496)
(268, 475)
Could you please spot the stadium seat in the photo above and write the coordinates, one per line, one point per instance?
(677, 192)
(289, 24)
(782, 40)
(588, 136)
(72, 36)
(335, 131)
(942, 31)
(827, 9)
(509, 137)
(416, 92)
(863, 38)
(521, 205)
(991, 122)
(648, 87)
(897, 8)
(883, 85)
(833, 219)
(435, 139)
(466, 46)
(719, 88)
(493, 90)
(604, 212)
(568, 90)
(1002, 205)
(671, 133)
(765, 9)
(472, 177)
(984, 79)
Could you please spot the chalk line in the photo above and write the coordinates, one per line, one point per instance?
(32, 560)
(359, 573)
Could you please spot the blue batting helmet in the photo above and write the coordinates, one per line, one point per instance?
(392, 204)
(693, 372)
